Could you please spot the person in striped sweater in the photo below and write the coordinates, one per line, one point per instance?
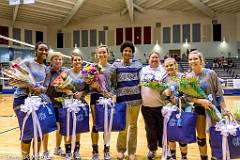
(126, 71)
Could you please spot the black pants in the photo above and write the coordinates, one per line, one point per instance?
(154, 126)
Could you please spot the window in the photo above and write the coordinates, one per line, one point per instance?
(101, 37)
(59, 40)
(76, 38)
(196, 32)
(176, 33)
(147, 35)
(39, 36)
(119, 37)
(166, 34)
(93, 38)
(137, 35)
(186, 32)
(28, 36)
(84, 38)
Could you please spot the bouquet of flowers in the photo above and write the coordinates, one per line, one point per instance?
(154, 84)
(92, 75)
(63, 82)
(19, 74)
(191, 87)
(150, 81)
(236, 113)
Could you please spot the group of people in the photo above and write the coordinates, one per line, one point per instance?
(123, 79)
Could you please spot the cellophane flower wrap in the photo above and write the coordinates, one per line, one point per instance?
(191, 87)
(236, 113)
(19, 74)
(63, 82)
(93, 74)
(151, 82)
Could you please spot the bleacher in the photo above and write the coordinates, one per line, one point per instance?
(229, 75)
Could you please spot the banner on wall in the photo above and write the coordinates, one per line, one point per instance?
(14, 2)
(17, 2)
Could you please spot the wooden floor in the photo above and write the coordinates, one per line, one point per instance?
(10, 144)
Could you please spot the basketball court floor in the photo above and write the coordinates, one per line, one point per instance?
(10, 144)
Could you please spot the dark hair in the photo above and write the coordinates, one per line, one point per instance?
(103, 46)
(38, 44)
(76, 54)
(154, 52)
(127, 44)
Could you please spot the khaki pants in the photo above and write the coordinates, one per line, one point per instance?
(131, 129)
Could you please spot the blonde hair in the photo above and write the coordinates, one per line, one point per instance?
(200, 55)
(54, 54)
(171, 59)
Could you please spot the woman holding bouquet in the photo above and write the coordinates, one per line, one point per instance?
(97, 92)
(211, 86)
(152, 103)
(38, 70)
(171, 67)
(126, 71)
(76, 90)
(54, 70)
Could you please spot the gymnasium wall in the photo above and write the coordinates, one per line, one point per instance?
(230, 30)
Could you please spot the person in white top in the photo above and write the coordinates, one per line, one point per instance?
(152, 103)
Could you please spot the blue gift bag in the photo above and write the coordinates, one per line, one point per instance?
(216, 144)
(27, 133)
(46, 117)
(182, 129)
(82, 120)
(47, 121)
(119, 117)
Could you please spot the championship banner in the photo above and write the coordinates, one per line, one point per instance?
(17, 2)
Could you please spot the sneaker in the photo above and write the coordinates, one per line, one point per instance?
(95, 156)
(35, 157)
(120, 156)
(76, 156)
(131, 157)
(46, 156)
(68, 156)
(58, 152)
(26, 157)
(107, 156)
(151, 155)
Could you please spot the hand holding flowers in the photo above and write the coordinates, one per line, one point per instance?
(64, 83)
(20, 75)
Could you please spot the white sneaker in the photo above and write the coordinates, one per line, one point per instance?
(107, 156)
(68, 156)
(46, 156)
(59, 152)
(95, 156)
(76, 156)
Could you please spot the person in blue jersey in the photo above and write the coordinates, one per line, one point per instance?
(102, 57)
(38, 70)
(153, 103)
(171, 67)
(79, 92)
(210, 84)
(55, 69)
(126, 73)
